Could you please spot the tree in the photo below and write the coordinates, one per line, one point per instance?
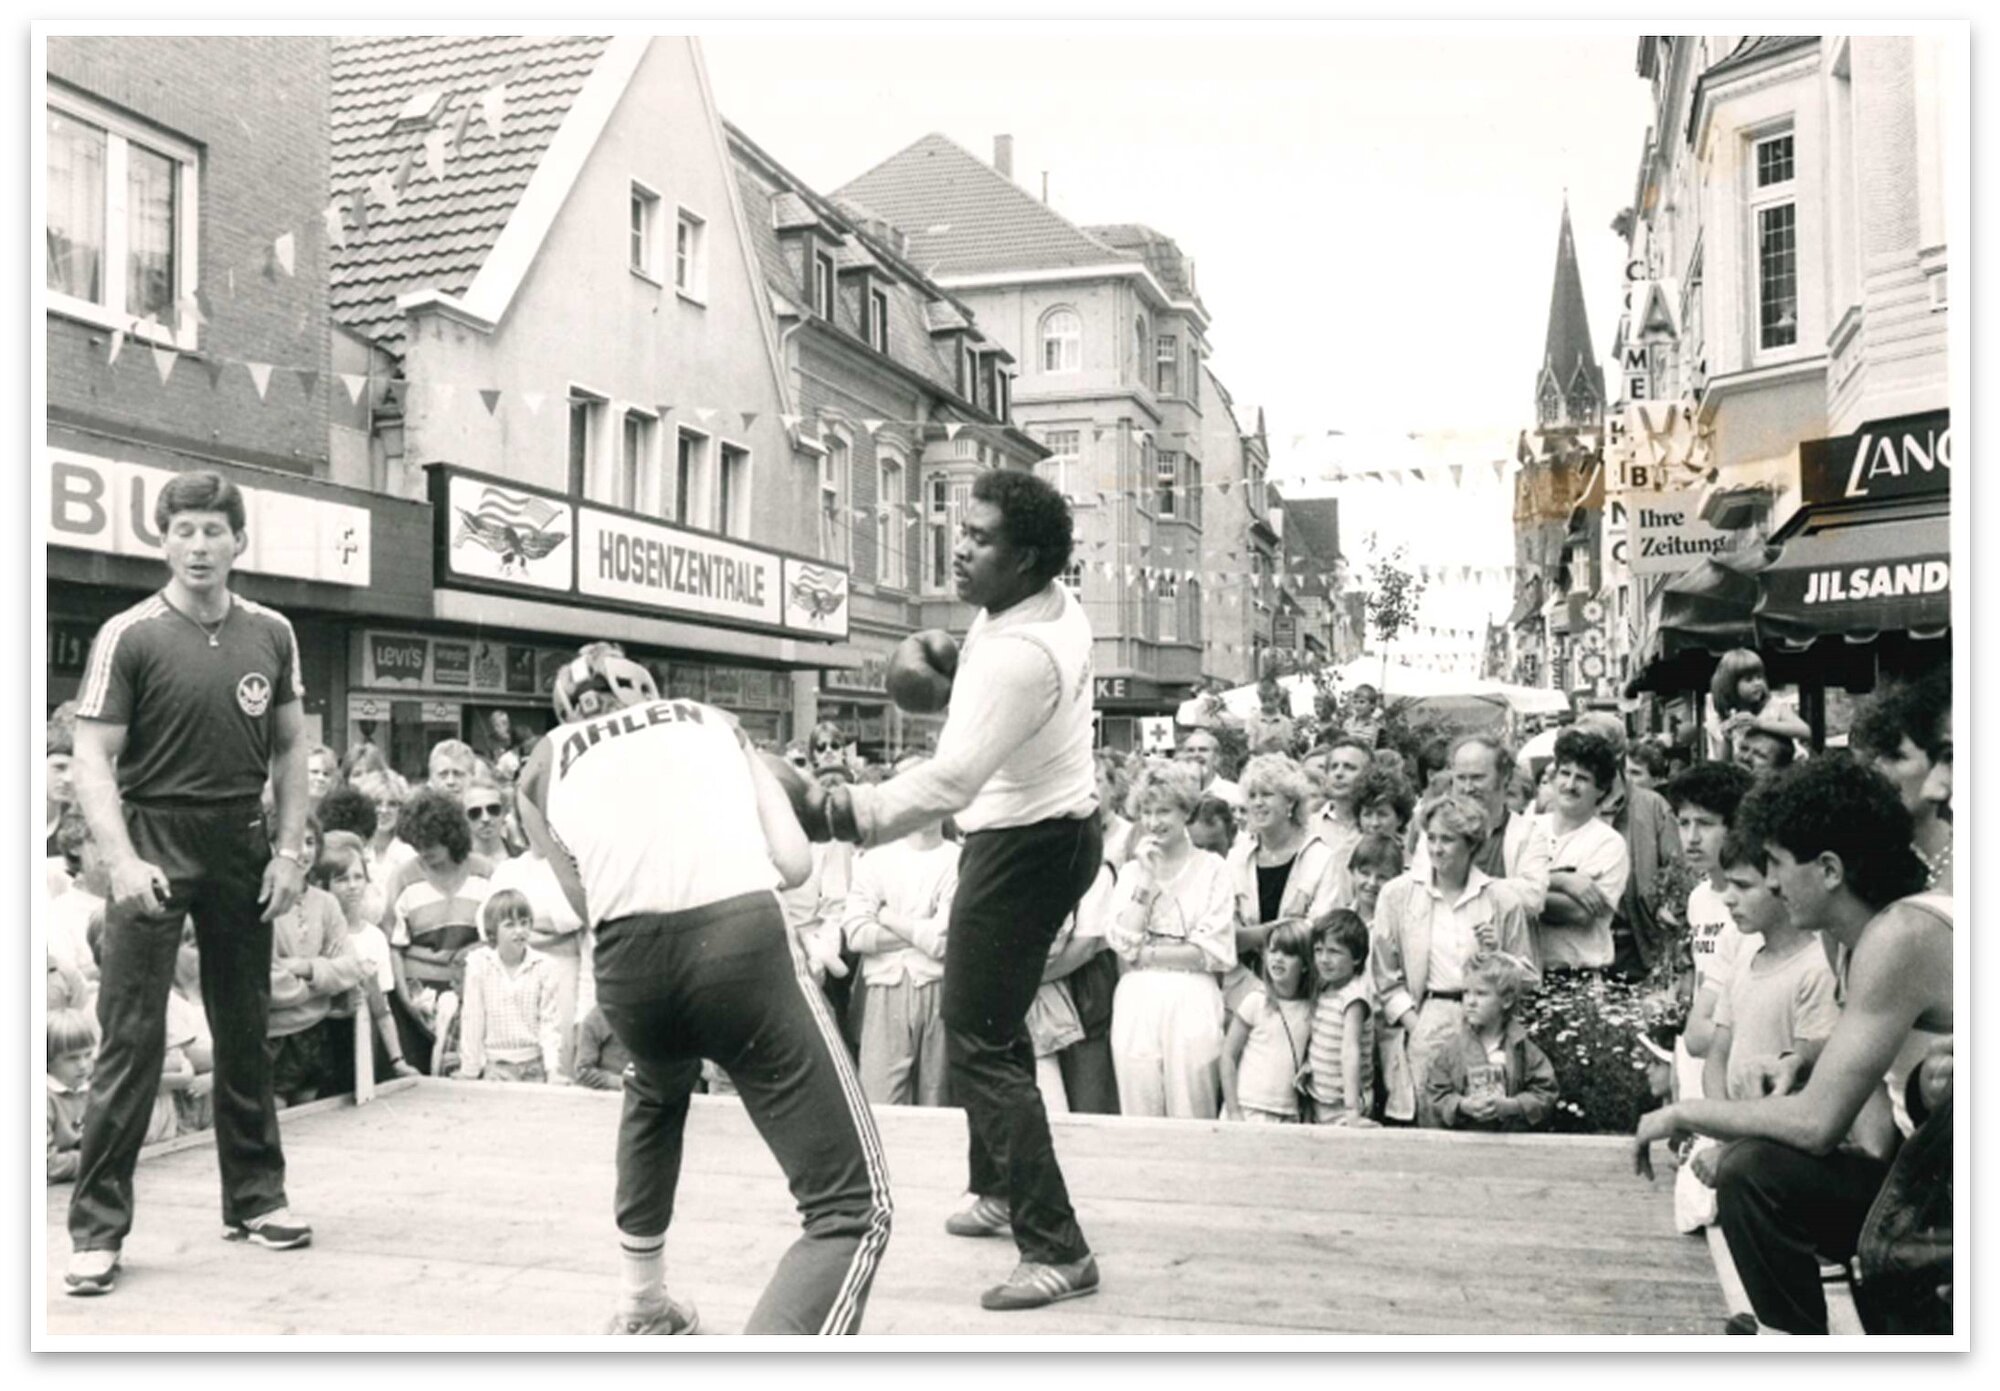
(1392, 606)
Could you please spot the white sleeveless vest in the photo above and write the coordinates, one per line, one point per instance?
(1051, 774)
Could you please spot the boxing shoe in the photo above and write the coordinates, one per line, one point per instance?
(921, 671)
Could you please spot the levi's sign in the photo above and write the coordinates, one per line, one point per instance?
(1906, 457)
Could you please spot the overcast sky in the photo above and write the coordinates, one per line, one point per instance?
(1373, 217)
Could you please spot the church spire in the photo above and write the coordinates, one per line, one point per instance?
(1569, 389)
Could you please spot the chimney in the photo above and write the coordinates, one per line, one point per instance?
(1003, 154)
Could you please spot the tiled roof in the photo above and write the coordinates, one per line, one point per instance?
(1758, 46)
(964, 217)
(1160, 252)
(442, 228)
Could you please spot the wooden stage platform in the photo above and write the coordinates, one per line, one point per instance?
(446, 1208)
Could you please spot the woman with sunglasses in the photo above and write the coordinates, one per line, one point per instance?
(486, 809)
(830, 744)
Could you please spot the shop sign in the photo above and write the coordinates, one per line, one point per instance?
(367, 708)
(815, 598)
(1906, 457)
(660, 567)
(1860, 584)
(69, 645)
(1124, 688)
(872, 675)
(451, 663)
(1665, 534)
(414, 662)
(99, 504)
(443, 712)
(508, 533)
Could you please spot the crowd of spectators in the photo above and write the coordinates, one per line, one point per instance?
(1342, 936)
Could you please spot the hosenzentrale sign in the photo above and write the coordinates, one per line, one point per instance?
(498, 534)
(1909, 456)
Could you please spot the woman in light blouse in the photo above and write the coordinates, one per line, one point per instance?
(1280, 869)
(1426, 928)
(1173, 922)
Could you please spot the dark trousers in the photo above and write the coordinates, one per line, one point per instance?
(722, 982)
(1783, 1211)
(1090, 1081)
(1015, 888)
(214, 861)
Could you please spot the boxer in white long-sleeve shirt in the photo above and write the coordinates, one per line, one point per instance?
(1013, 767)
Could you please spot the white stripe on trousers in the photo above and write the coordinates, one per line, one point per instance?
(844, 1316)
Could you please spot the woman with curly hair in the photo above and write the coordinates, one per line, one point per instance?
(434, 925)
(1282, 870)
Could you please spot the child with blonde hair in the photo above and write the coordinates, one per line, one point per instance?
(72, 1054)
(1270, 1035)
(1491, 1077)
(509, 1030)
(342, 870)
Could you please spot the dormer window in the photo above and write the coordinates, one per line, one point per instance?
(823, 292)
(878, 320)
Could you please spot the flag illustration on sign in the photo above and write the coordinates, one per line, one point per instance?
(819, 592)
(513, 526)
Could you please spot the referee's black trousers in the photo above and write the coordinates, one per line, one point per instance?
(723, 982)
(214, 858)
(1016, 886)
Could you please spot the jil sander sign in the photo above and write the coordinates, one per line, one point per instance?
(1906, 457)
(1907, 580)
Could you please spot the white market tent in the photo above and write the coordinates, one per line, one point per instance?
(1463, 694)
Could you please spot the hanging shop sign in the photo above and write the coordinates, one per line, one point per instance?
(494, 534)
(385, 661)
(1665, 535)
(1909, 456)
(106, 505)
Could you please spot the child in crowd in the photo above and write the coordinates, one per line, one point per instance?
(1057, 1026)
(87, 879)
(1705, 799)
(895, 919)
(187, 1030)
(312, 965)
(342, 870)
(1173, 921)
(1270, 1037)
(1213, 826)
(600, 1058)
(1376, 860)
(509, 1030)
(434, 925)
(1743, 700)
(72, 1054)
(1342, 1052)
(1491, 1077)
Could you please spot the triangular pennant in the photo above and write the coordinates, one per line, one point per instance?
(1224, 485)
(163, 362)
(117, 346)
(749, 418)
(355, 383)
(284, 249)
(871, 426)
(191, 317)
(951, 430)
(308, 381)
(260, 373)
(203, 306)
(533, 400)
(402, 179)
(434, 152)
(359, 207)
(1458, 475)
(707, 413)
(665, 409)
(492, 108)
(379, 186)
(458, 128)
(336, 224)
(791, 421)
(213, 366)
(1417, 474)
(490, 397)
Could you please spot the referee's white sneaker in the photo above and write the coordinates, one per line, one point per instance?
(91, 1272)
(1033, 1285)
(671, 1320)
(276, 1231)
(981, 1217)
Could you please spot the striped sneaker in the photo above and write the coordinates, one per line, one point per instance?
(1032, 1285)
(91, 1272)
(672, 1321)
(982, 1217)
(275, 1231)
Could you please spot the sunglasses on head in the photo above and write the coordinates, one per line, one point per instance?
(482, 812)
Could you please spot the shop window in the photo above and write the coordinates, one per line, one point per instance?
(120, 222)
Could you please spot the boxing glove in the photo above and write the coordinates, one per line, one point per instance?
(824, 814)
(921, 671)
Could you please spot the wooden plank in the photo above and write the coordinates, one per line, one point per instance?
(477, 1209)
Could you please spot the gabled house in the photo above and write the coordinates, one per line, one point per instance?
(1110, 336)
(905, 400)
(541, 248)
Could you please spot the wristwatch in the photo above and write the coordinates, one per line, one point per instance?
(287, 853)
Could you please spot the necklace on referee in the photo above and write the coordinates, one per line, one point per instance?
(214, 635)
